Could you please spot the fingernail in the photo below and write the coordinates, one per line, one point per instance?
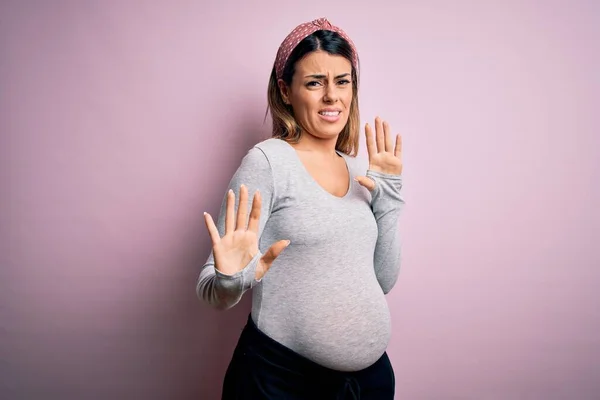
(288, 243)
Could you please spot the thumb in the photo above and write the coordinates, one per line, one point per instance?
(270, 255)
(366, 182)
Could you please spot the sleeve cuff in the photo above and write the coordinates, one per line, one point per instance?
(383, 175)
(385, 184)
(241, 280)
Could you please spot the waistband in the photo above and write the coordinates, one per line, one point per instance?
(344, 384)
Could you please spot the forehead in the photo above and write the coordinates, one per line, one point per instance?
(322, 62)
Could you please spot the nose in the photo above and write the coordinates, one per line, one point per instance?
(330, 95)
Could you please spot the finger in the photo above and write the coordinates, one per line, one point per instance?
(242, 213)
(255, 213)
(267, 259)
(212, 229)
(371, 147)
(389, 145)
(398, 148)
(379, 135)
(366, 182)
(229, 221)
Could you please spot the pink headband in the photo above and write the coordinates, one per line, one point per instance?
(300, 33)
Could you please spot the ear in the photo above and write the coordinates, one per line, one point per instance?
(284, 90)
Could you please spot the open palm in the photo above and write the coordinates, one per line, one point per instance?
(239, 245)
(385, 156)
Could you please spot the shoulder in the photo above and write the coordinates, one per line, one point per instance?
(275, 151)
(272, 146)
(255, 168)
(262, 151)
(266, 156)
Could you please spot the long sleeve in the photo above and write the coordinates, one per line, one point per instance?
(225, 291)
(387, 203)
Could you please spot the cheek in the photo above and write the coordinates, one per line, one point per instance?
(348, 98)
(345, 97)
(309, 102)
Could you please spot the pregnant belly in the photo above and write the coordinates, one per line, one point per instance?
(341, 326)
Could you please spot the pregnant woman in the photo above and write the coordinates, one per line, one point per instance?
(313, 231)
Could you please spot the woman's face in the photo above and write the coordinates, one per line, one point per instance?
(320, 93)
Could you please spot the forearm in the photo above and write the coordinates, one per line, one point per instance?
(225, 291)
(388, 252)
(387, 204)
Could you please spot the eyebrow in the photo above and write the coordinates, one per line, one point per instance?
(321, 76)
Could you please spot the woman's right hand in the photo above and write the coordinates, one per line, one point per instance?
(239, 245)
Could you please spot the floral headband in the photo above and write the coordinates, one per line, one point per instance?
(300, 33)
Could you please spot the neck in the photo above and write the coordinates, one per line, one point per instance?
(325, 147)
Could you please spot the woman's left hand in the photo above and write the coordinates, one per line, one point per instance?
(384, 155)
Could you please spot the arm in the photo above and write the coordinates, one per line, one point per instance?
(387, 203)
(216, 288)
(384, 181)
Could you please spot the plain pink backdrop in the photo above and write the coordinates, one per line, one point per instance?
(122, 121)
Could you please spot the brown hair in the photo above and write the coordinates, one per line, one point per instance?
(285, 125)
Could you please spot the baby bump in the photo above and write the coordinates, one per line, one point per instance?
(341, 327)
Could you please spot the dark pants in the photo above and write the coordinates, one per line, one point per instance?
(262, 368)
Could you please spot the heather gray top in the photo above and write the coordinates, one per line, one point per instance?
(323, 297)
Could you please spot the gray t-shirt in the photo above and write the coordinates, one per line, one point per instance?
(323, 297)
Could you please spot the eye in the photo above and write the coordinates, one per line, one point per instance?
(343, 81)
(313, 83)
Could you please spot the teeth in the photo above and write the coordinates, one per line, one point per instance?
(330, 113)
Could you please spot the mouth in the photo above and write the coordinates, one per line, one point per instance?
(330, 113)
(330, 116)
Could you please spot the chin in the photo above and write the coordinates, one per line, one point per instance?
(329, 130)
(328, 133)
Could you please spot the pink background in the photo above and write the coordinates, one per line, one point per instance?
(122, 121)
